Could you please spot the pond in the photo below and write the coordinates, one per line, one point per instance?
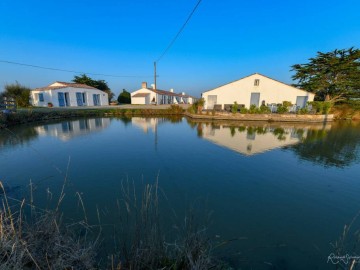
(279, 194)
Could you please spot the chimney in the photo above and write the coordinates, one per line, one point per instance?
(153, 86)
(144, 85)
(172, 90)
(183, 93)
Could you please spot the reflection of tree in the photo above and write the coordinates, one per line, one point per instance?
(199, 130)
(18, 135)
(261, 130)
(280, 133)
(232, 131)
(337, 147)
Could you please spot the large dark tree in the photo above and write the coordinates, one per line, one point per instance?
(99, 84)
(124, 97)
(18, 92)
(330, 74)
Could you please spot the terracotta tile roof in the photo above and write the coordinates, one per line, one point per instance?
(64, 85)
(141, 95)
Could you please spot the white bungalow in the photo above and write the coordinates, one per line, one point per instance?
(63, 94)
(147, 95)
(256, 89)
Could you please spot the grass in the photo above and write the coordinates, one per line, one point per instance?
(33, 238)
(40, 240)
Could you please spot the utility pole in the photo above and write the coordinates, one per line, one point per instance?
(155, 83)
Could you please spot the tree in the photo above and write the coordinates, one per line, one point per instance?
(20, 93)
(99, 84)
(330, 74)
(124, 97)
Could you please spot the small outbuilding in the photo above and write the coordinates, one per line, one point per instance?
(151, 95)
(63, 94)
(257, 90)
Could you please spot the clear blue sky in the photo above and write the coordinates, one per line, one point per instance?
(224, 41)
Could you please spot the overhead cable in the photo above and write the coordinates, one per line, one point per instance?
(179, 32)
(71, 71)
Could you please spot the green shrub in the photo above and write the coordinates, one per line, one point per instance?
(304, 110)
(326, 107)
(287, 103)
(243, 110)
(253, 109)
(284, 107)
(124, 97)
(19, 93)
(264, 109)
(234, 108)
(321, 107)
(197, 106)
(192, 109)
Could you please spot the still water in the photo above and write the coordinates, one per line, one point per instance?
(285, 190)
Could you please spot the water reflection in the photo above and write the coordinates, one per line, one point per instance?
(255, 138)
(151, 124)
(17, 136)
(67, 130)
(339, 146)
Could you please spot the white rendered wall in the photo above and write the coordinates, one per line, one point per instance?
(52, 96)
(271, 91)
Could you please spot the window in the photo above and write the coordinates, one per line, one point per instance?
(41, 97)
(256, 82)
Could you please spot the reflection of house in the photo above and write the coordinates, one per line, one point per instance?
(256, 90)
(147, 95)
(62, 94)
(145, 124)
(67, 130)
(250, 140)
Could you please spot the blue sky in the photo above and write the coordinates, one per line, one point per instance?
(224, 41)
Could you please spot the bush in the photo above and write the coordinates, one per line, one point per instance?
(264, 109)
(20, 93)
(284, 107)
(234, 108)
(253, 109)
(124, 97)
(321, 107)
(243, 110)
(197, 106)
(304, 110)
(326, 107)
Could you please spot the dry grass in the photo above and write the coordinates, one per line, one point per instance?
(145, 244)
(31, 238)
(41, 240)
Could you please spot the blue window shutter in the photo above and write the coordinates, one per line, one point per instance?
(41, 97)
(79, 99)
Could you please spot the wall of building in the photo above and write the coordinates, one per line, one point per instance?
(149, 99)
(271, 91)
(52, 96)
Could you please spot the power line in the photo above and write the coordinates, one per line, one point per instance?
(179, 32)
(70, 71)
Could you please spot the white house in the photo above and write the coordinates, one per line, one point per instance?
(63, 94)
(147, 95)
(256, 89)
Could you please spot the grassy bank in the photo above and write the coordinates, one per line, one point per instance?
(24, 116)
(347, 110)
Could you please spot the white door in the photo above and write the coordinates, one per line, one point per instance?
(211, 101)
